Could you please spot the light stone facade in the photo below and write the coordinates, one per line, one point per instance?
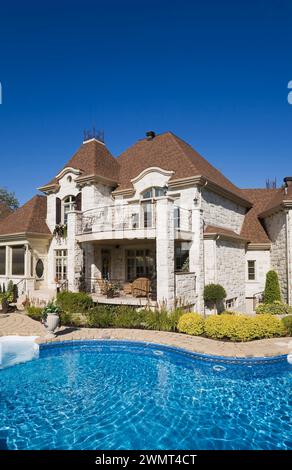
(276, 226)
(221, 211)
(178, 217)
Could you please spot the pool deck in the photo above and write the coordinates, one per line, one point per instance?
(21, 324)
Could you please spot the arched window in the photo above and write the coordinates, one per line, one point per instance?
(156, 191)
(68, 206)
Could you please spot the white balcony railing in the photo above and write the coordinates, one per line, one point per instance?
(129, 217)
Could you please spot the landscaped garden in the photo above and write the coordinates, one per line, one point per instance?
(78, 310)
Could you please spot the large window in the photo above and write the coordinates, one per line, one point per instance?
(140, 263)
(18, 257)
(251, 270)
(68, 206)
(61, 265)
(2, 260)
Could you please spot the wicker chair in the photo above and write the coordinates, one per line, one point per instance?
(141, 287)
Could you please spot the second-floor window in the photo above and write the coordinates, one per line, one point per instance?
(68, 206)
(251, 270)
(153, 192)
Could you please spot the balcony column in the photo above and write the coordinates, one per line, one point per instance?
(74, 251)
(165, 252)
(196, 254)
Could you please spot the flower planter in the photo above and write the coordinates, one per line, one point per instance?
(51, 324)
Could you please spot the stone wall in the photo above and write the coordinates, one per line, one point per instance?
(217, 210)
(185, 289)
(262, 266)
(276, 227)
(230, 263)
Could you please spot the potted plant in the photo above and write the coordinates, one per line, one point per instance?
(111, 289)
(60, 231)
(51, 319)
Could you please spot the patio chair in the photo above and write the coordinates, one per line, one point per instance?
(141, 287)
(127, 288)
(101, 286)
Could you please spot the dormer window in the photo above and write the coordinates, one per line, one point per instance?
(68, 206)
(153, 192)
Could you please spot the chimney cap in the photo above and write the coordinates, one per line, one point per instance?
(288, 180)
(150, 135)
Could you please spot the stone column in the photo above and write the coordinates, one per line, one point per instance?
(197, 255)
(165, 252)
(74, 252)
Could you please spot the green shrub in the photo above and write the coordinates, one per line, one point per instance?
(162, 320)
(34, 312)
(74, 302)
(243, 327)
(287, 322)
(214, 294)
(191, 323)
(101, 316)
(127, 317)
(275, 308)
(272, 288)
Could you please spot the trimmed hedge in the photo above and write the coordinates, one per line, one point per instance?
(191, 324)
(287, 322)
(243, 327)
(214, 294)
(275, 308)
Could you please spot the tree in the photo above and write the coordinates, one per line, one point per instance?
(9, 199)
(272, 288)
(214, 295)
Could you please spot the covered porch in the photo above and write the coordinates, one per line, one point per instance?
(131, 273)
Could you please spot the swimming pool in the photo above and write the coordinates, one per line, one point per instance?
(125, 395)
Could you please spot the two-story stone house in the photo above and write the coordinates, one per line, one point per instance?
(158, 211)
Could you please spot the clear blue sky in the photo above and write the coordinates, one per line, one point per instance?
(213, 72)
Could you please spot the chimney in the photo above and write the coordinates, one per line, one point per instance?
(288, 181)
(150, 135)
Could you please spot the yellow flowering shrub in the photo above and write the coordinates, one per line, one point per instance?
(243, 327)
(191, 323)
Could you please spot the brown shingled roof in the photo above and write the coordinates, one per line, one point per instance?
(252, 227)
(215, 230)
(29, 218)
(169, 152)
(93, 159)
(4, 210)
(280, 196)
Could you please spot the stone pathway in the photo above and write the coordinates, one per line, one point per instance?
(21, 324)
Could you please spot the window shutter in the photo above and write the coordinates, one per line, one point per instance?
(58, 210)
(79, 202)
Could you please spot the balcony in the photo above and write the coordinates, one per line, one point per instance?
(129, 221)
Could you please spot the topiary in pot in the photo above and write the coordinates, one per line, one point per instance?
(272, 288)
(214, 294)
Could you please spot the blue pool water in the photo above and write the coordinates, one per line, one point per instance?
(121, 395)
